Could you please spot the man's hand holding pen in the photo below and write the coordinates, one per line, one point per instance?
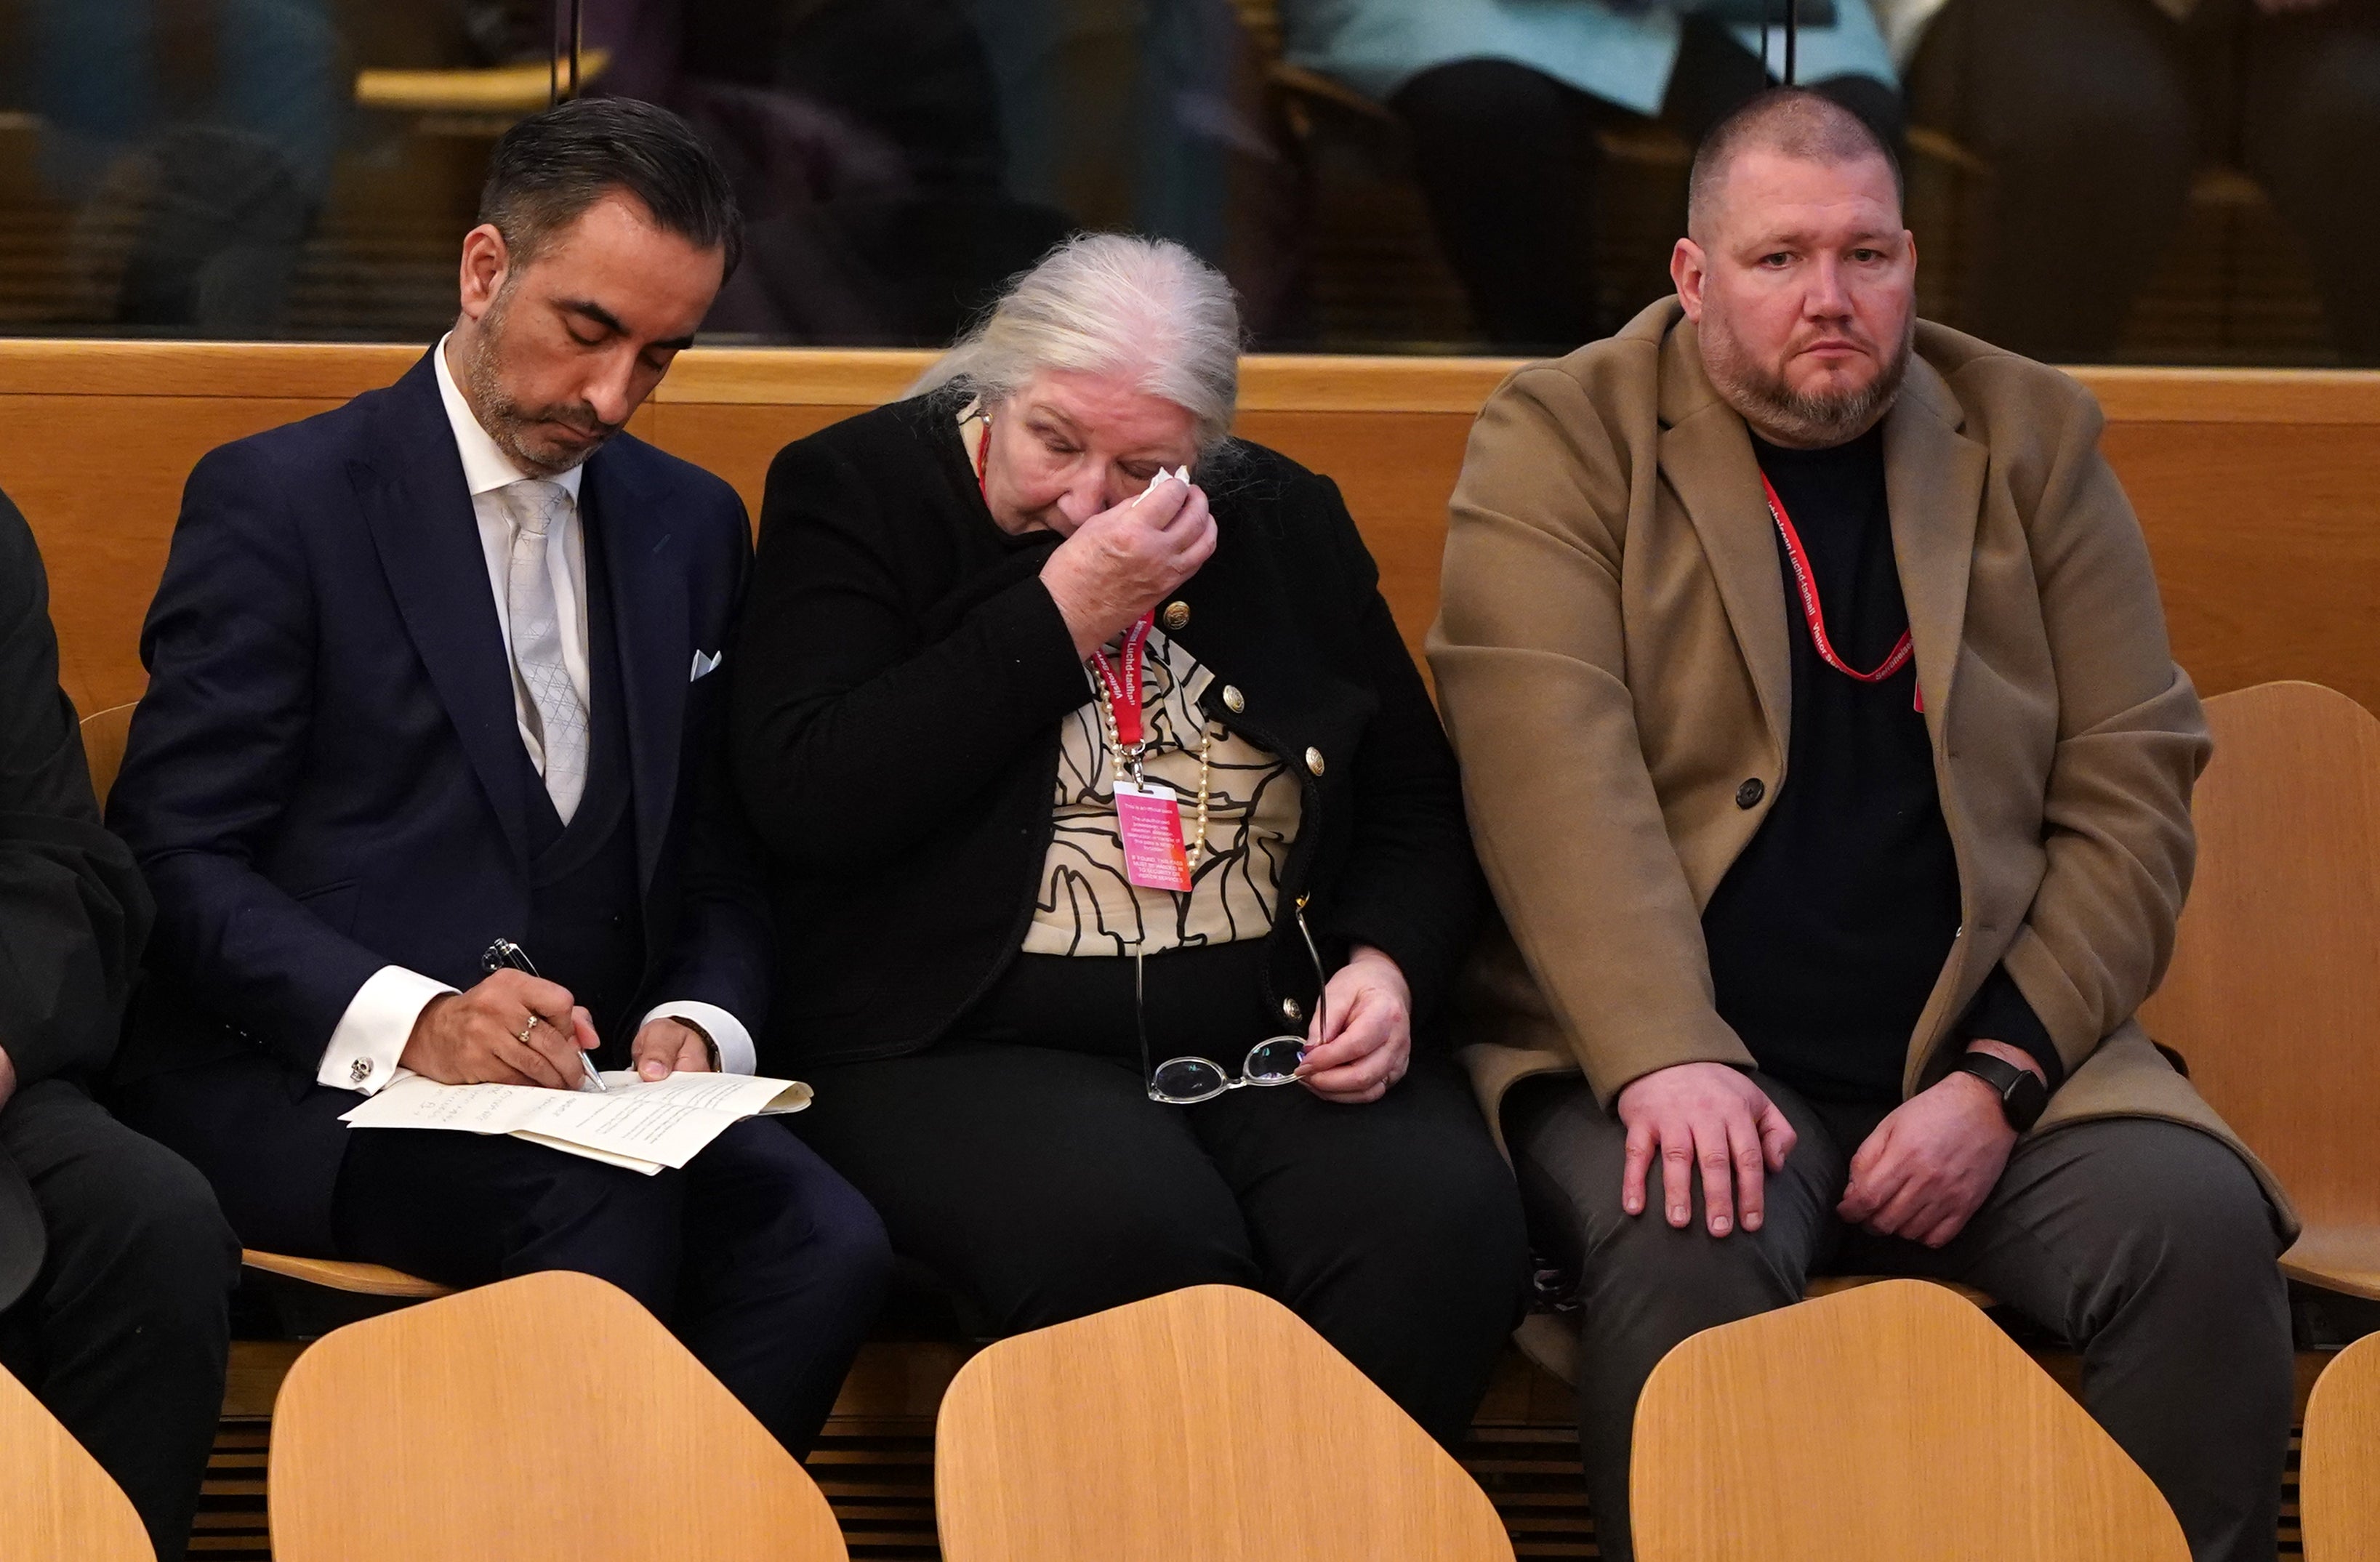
(512, 1028)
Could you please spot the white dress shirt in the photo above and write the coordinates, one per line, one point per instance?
(365, 1046)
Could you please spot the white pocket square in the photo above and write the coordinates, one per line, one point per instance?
(705, 665)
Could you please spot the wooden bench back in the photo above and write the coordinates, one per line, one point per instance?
(55, 1500)
(548, 1418)
(1207, 1424)
(2275, 975)
(2259, 490)
(1821, 1433)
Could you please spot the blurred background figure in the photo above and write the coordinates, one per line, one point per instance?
(2093, 117)
(1150, 116)
(2134, 181)
(865, 141)
(1506, 101)
(206, 129)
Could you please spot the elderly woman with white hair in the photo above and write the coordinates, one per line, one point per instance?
(1083, 746)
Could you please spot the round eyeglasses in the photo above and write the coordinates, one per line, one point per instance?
(1187, 1080)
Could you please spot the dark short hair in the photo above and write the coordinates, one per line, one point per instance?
(1794, 122)
(550, 168)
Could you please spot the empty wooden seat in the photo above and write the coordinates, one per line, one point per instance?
(544, 1419)
(1207, 1425)
(2274, 995)
(2338, 1472)
(1891, 1422)
(55, 1502)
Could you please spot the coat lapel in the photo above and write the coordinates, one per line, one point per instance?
(1934, 485)
(654, 634)
(1707, 456)
(418, 511)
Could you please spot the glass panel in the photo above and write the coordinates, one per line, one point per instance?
(2182, 181)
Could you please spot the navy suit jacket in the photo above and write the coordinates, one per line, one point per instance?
(324, 776)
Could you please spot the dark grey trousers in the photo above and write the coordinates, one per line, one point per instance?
(2147, 1246)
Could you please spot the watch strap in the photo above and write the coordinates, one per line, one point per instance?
(2022, 1095)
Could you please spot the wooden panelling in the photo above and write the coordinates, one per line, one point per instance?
(738, 440)
(2259, 490)
(100, 477)
(2267, 538)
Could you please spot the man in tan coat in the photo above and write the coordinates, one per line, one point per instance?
(1823, 748)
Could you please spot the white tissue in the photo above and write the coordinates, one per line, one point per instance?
(1180, 475)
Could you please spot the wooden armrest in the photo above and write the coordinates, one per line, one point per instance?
(364, 1279)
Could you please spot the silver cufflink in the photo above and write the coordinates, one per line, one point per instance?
(360, 1071)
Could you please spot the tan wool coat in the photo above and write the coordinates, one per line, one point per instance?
(1612, 662)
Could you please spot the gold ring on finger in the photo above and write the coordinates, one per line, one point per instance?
(534, 1021)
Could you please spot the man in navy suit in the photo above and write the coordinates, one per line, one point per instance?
(435, 686)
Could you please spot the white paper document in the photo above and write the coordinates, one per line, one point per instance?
(642, 1125)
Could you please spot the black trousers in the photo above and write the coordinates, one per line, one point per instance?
(768, 1265)
(125, 1331)
(1508, 159)
(2094, 115)
(2145, 1245)
(1041, 1182)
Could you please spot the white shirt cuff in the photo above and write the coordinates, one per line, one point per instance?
(371, 1035)
(726, 1031)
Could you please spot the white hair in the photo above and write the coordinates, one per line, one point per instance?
(1108, 304)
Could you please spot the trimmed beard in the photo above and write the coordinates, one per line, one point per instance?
(1813, 422)
(502, 417)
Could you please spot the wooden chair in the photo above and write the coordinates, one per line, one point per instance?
(103, 736)
(1207, 1425)
(1550, 1339)
(2274, 995)
(55, 1501)
(544, 1419)
(1891, 1422)
(2339, 1473)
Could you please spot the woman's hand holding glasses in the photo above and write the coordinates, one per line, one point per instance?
(1367, 1044)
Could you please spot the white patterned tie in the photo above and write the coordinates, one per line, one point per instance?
(557, 715)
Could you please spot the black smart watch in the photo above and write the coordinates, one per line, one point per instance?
(2021, 1094)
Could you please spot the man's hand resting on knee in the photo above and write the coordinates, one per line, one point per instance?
(1707, 1115)
(511, 1029)
(1930, 1166)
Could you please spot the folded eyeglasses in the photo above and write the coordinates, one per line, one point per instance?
(1187, 1080)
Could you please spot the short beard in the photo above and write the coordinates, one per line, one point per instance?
(1806, 421)
(504, 417)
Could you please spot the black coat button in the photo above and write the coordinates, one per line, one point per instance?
(1749, 794)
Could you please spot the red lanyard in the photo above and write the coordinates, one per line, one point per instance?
(1807, 585)
(983, 457)
(1123, 682)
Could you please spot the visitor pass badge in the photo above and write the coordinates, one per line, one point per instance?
(1149, 821)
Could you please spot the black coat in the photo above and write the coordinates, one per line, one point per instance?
(73, 910)
(897, 690)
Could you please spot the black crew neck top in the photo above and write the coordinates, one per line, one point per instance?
(1828, 934)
